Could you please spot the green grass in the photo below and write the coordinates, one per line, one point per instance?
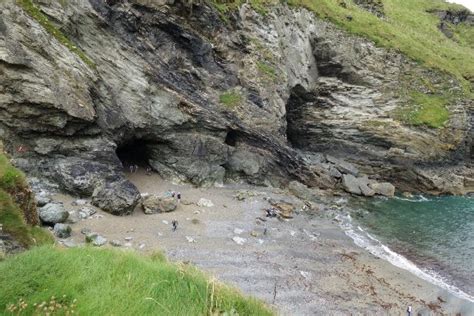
(230, 98)
(267, 70)
(429, 110)
(36, 14)
(113, 282)
(13, 183)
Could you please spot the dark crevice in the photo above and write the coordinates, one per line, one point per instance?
(231, 138)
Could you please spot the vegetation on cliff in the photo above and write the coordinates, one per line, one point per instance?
(107, 282)
(18, 216)
(407, 26)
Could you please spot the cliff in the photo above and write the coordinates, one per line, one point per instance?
(212, 92)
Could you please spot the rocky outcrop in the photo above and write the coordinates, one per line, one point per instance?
(159, 89)
(453, 17)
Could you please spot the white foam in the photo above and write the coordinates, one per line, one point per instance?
(375, 247)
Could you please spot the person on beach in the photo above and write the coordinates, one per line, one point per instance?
(409, 310)
(175, 225)
(131, 168)
(178, 196)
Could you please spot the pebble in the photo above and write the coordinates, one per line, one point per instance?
(190, 239)
(239, 240)
(141, 246)
(165, 222)
(238, 231)
(128, 238)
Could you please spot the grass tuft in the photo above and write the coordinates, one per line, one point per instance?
(424, 109)
(112, 282)
(230, 98)
(36, 14)
(267, 70)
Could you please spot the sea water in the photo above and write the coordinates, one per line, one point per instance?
(432, 237)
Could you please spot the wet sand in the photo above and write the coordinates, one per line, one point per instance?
(302, 266)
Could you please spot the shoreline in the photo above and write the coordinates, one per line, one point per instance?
(304, 266)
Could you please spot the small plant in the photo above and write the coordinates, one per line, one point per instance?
(230, 98)
(55, 306)
(267, 70)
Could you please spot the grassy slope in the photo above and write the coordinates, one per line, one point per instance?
(11, 216)
(112, 282)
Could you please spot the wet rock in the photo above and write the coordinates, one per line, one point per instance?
(62, 230)
(116, 197)
(351, 184)
(384, 188)
(95, 239)
(158, 204)
(53, 213)
(205, 203)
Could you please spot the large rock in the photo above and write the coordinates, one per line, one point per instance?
(53, 213)
(384, 188)
(358, 186)
(62, 230)
(118, 197)
(303, 192)
(159, 204)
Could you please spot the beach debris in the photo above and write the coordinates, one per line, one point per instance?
(284, 209)
(239, 240)
(141, 246)
(306, 275)
(144, 194)
(165, 222)
(271, 212)
(115, 243)
(99, 216)
(190, 239)
(62, 230)
(128, 238)
(253, 233)
(205, 203)
(238, 231)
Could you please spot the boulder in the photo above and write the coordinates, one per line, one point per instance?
(53, 213)
(118, 197)
(343, 166)
(359, 186)
(62, 230)
(95, 239)
(384, 188)
(158, 204)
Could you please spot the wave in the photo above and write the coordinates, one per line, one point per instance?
(414, 199)
(364, 240)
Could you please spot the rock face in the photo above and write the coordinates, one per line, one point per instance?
(157, 204)
(154, 88)
(53, 213)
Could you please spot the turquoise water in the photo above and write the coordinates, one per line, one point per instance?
(435, 233)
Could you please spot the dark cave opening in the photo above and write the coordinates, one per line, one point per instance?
(231, 138)
(133, 152)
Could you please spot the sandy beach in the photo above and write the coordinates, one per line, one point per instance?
(305, 265)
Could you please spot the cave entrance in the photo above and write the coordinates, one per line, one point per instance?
(133, 152)
(231, 138)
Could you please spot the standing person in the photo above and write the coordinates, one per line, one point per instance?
(175, 225)
(178, 196)
(131, 168)
(409, 310)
